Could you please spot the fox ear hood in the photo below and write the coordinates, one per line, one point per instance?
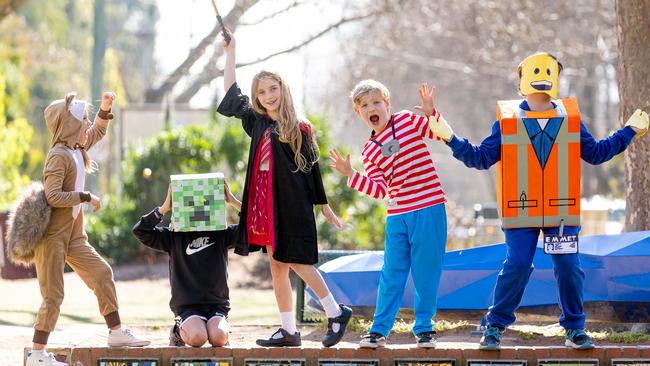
(63, 125)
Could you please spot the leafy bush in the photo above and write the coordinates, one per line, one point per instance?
(220, 146)
(185, 150)
(109, 230)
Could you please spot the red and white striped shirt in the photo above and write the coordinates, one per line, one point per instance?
(408, 177)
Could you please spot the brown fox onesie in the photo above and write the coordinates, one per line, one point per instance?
(65, 240)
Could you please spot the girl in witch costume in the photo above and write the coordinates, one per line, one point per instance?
(65, 240)
(283, 183)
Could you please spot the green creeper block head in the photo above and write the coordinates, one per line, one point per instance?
(198, 202)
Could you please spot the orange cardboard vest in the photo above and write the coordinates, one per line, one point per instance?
(538, 176)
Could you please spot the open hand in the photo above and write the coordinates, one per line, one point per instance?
(639, 122)
(331, 217)
(427, 98)
(341, 165)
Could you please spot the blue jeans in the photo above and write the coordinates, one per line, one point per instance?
(518, 266)
(415, 242)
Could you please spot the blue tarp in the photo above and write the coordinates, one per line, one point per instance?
(617, 269)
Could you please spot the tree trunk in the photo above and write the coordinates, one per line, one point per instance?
(9, 6)
(99, 50)
(634, 90)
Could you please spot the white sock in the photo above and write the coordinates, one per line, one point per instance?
(332, 309)
(38, 351)
(116, 329)
(288, 322)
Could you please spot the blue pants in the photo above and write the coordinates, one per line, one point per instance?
(518, 266)
(415, 241)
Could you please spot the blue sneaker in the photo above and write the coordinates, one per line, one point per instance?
(491, 340)
(578, 339)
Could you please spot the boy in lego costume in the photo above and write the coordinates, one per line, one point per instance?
(537, 144)
(65, 240)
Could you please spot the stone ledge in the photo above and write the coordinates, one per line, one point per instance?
(310, 356)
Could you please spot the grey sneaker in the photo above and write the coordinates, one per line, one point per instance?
(491, 340)
(372, 340)
(123, 337)
(426, 339)
(175, 339)
(578, 339)
(43, 359)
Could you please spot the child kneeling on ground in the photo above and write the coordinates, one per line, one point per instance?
(198, 273)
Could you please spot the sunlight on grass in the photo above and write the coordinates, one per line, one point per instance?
(402, 326)
(140, 301)
(620, 337)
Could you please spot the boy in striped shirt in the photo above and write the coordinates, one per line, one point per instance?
(398, 165)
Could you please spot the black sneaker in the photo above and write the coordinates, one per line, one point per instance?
(578, 339)
(287, 340)
(372, 340)
(491, 340)
(426, 339)
(332, 337)
(175, 339)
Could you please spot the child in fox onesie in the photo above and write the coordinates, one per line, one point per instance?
(65, 239)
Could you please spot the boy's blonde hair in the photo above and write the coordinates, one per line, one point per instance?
(366, 87)
(289, 123)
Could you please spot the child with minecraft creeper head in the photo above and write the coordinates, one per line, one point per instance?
(198, 272)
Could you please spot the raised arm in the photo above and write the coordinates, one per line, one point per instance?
(230, 198)
(229, 69)
(146, 231)
(98, 130)
(234, 103)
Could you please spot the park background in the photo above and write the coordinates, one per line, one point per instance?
(164, 60)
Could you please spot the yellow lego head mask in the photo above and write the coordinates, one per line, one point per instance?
(539, 73)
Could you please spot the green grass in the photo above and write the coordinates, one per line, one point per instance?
(527, 336)
(626, 337)
(401, 326)
(141, 302)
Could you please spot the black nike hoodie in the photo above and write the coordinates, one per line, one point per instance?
(198, 264)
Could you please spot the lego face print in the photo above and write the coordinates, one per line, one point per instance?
(539, 74)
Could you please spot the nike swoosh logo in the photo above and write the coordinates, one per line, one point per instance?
(190, 251)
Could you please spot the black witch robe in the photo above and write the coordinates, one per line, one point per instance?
(294, 192)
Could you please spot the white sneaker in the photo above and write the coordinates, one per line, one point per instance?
(124, 338)
(43, 359)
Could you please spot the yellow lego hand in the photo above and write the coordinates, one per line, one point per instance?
(639, 122)
(441, 128)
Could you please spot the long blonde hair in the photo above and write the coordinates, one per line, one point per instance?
(288, 123)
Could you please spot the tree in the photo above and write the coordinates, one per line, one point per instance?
(211, 71)
(470, 51)
(634, 90)
(99, 50)
(15, 135)
(9, 6)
